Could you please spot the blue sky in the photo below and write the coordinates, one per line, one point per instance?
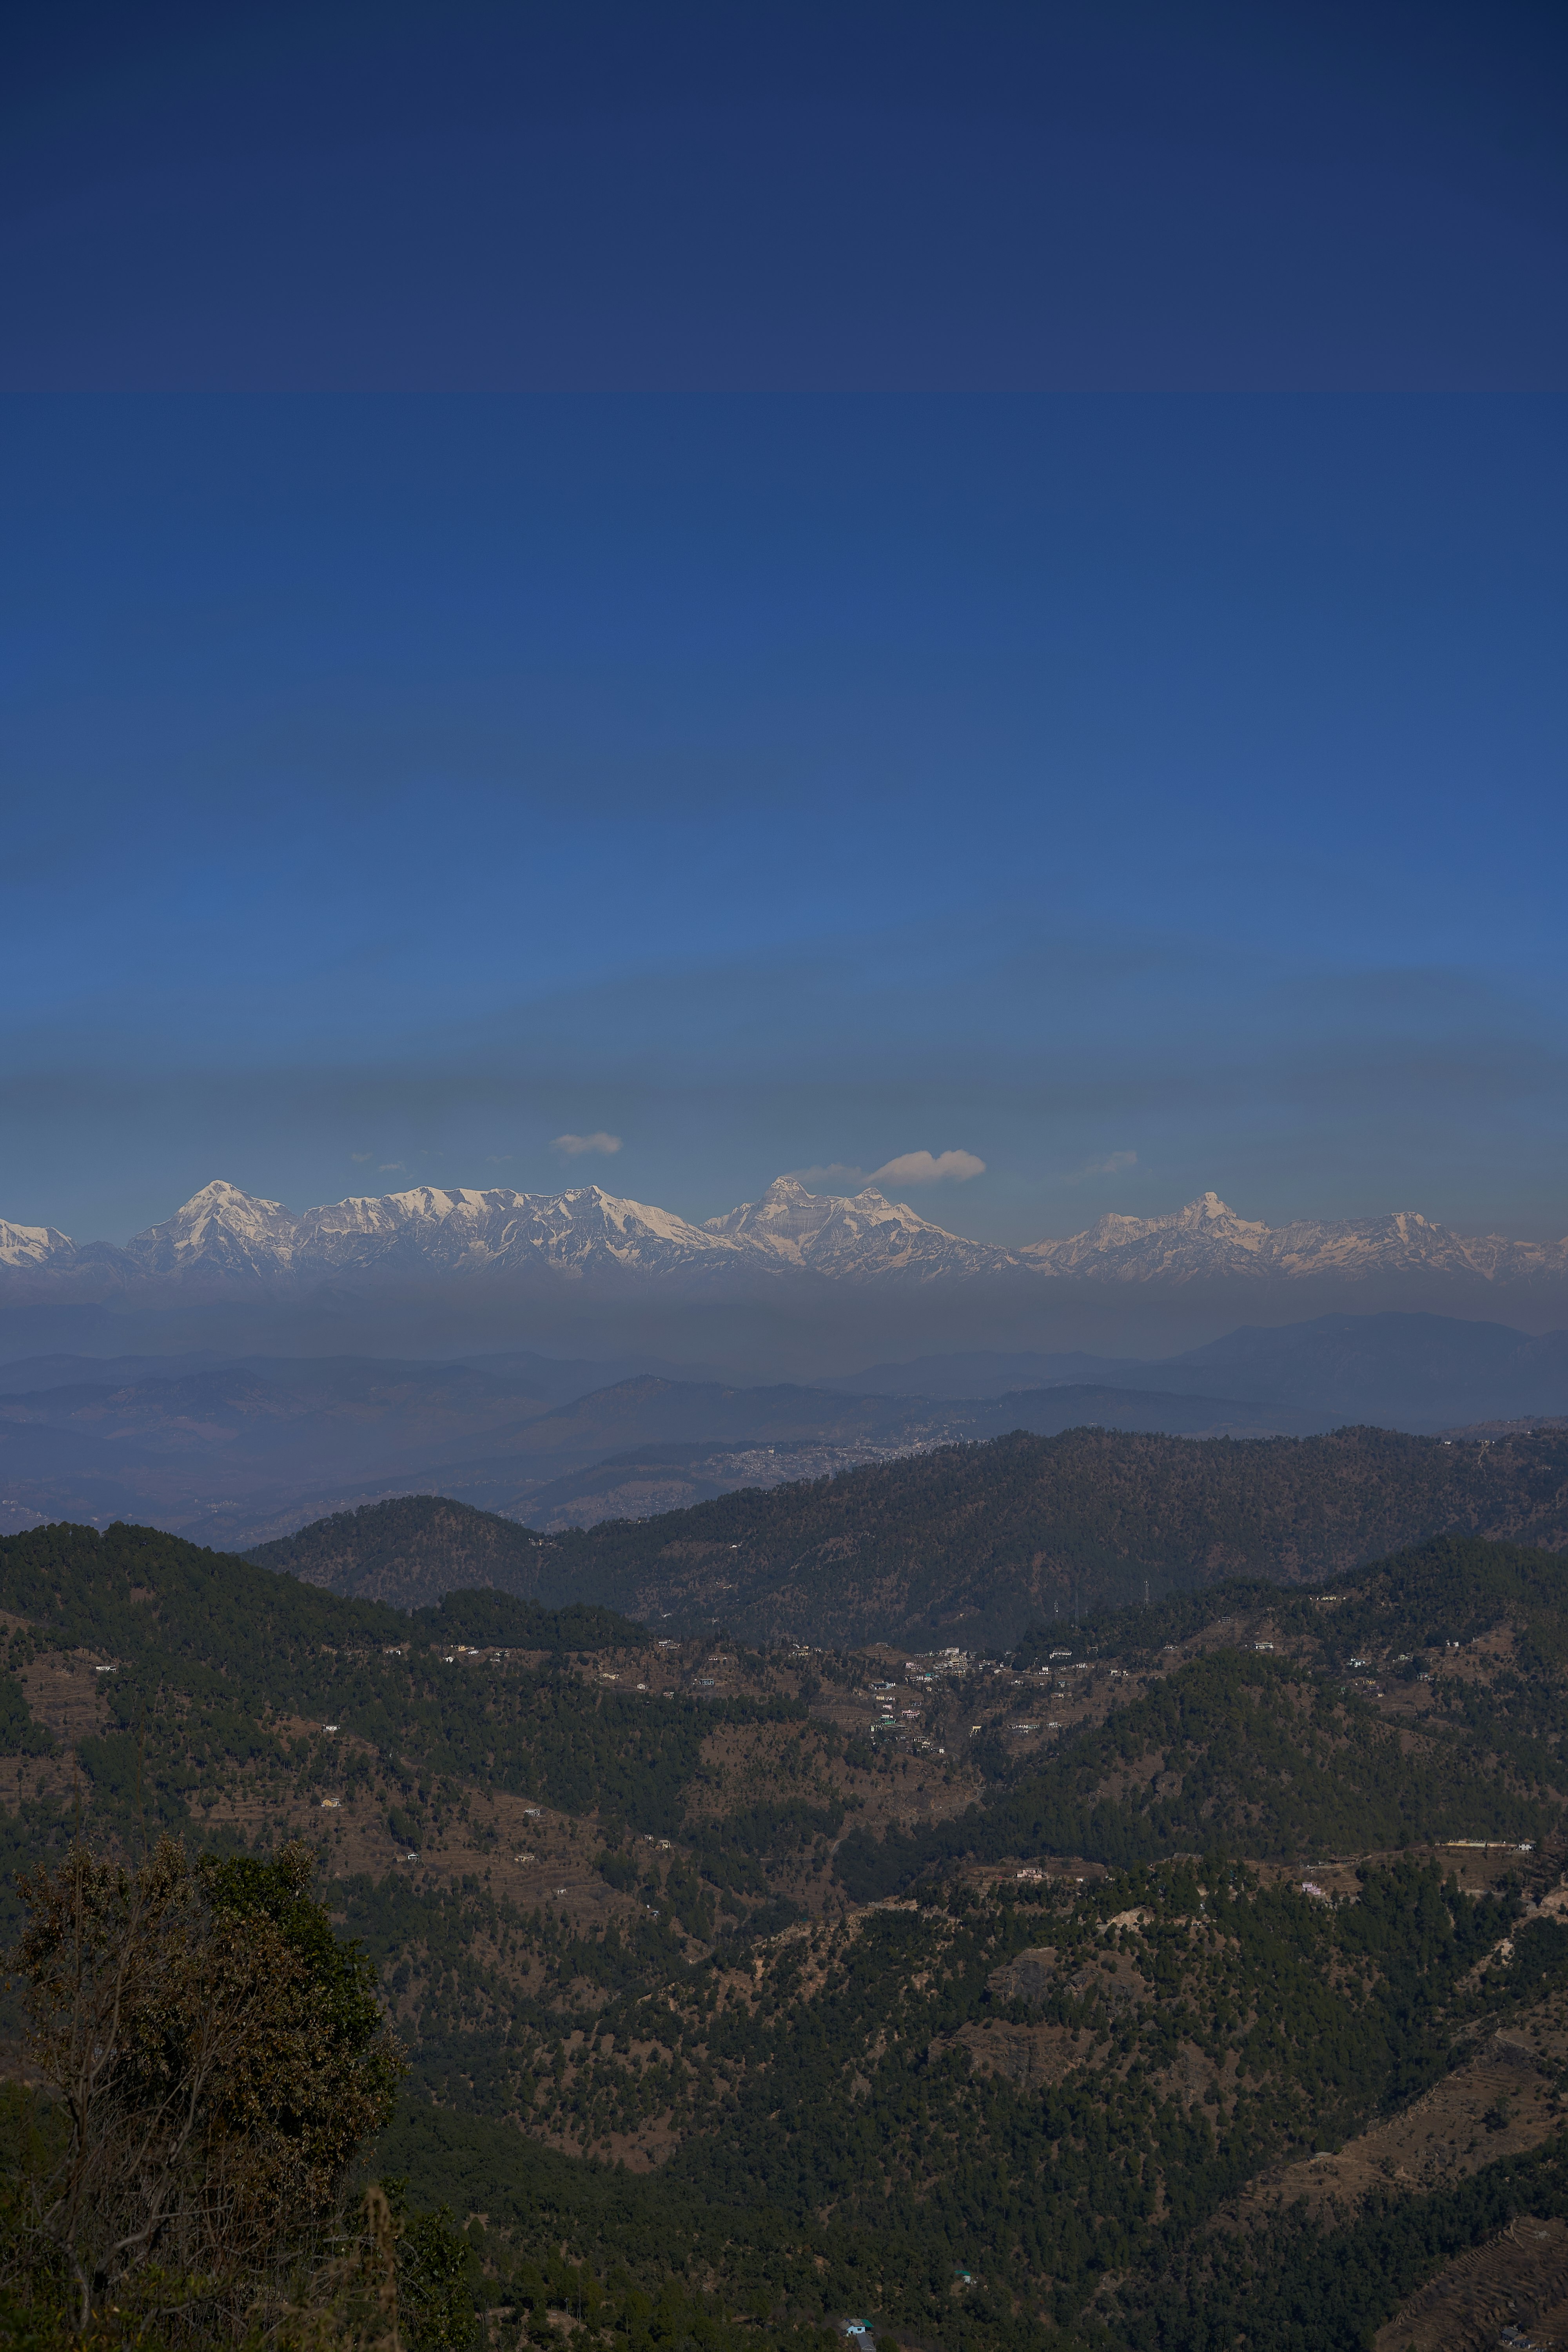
(790, 587)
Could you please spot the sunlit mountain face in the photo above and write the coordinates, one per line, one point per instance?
(224, 1241)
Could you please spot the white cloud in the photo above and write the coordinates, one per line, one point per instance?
(392, 1168)
(1113, 1166)
(573, 1146)
(360, 1158)
(908, 1168)
(923, 1168)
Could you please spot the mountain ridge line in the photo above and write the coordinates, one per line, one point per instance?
(224, 1239)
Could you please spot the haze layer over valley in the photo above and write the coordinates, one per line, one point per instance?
(236, 1450)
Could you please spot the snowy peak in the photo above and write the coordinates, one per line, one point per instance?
(226, 1242)
(1209, 1212)
(34, 1246)
(1207, 1240)
(223, 1231)
(785, 1219)
(787, 1207)
(223, 1237)
(857, 1238)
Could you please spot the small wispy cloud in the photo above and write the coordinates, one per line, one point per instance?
(1114, 1164)
(359, 1158)
(908, 1168)
(929, 1167)
(392, 1168)
(574, 1145)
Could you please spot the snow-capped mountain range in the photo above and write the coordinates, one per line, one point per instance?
(224, 1243)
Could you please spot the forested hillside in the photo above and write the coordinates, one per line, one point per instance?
(1002, 2001)
(973, 1541)
(1422, 1701)
(409, 1551)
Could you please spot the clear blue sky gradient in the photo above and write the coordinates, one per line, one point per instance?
(795, 586)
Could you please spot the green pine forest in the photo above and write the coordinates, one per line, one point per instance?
(975, 1540)
(985, 2036)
